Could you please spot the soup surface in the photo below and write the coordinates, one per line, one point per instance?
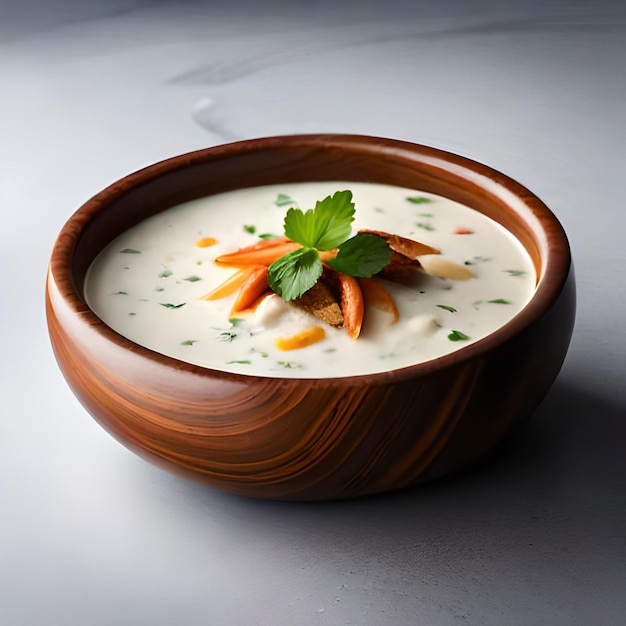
(148, 283)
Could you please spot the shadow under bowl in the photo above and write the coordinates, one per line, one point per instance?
(312, 439)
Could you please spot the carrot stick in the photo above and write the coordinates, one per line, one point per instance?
(251, 290)
(230, 285)
(262, 253)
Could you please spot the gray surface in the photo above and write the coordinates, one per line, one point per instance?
(90, 534)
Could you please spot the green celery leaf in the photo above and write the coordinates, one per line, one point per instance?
(294, 273)
(324, 227)
(362, 256)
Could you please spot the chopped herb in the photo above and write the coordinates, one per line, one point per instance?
(447, 308)
(169, 305)
(515, 272)
(121, 293)
(159, 289)
(425, 215)
(263, 355)
(166, 273)
(331, 350)
(227, 335)
(193, 279)
(241, 362)
(477, 259)
(132, 314)
(425, 226)
(289, 365)
(249, 228)
(283, 200)
(188, 342)
(198, 262)
(457, 335)
(418, 199)
(130, 251)
(267, 236)
(499, 301)
(325, 227)
(126, 267)
(379, 210)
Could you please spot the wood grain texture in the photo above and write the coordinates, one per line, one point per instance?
(311, 439)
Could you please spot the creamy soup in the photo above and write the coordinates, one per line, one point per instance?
(148, 284)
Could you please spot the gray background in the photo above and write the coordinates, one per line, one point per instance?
(91, 534)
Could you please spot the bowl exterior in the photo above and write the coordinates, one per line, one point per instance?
(300, 439)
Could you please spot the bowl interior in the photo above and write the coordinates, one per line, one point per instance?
(303, 158)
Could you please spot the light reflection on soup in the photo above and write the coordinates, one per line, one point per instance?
(148, 283)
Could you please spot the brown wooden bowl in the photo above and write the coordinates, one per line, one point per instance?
(308, 439)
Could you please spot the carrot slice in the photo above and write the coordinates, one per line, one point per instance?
(309, 336)
(376, 295)
(252, 289)
(352, 305)
(205, 242)
(231, 284)
(262, 253)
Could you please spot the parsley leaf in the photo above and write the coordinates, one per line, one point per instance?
(362, 256)
(325, 226)
(295, 273)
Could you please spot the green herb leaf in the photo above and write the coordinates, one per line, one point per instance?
(362, 256)
(499, 301)
(227, 336)
(169, 305)
(515, 272)
(193, 279)
(457, 335)
(446, 307)
(188, 342)
(249, 228)
(121, 293)
(166, 273)
(418, 200)
(283, 200)
(267, 236)
(325, 226)
(425, 226)
(289, 365)
(130, 251)
(294, 273)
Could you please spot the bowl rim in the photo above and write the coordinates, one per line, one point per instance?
(555, 249)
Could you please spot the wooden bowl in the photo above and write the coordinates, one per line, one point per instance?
(312, 439)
